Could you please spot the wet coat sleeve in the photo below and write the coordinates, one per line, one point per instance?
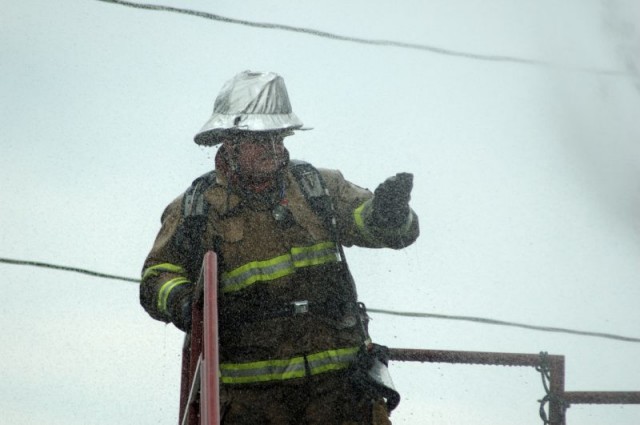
(165, 271)
(353, 213)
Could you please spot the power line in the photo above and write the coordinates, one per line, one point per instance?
(69, 269)
(505, 323)
(371, 310)
(387, 43)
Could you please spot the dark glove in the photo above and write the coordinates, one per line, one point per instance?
(391, 201)
(179, 305)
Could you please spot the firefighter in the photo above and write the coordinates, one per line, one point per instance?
(291, 330)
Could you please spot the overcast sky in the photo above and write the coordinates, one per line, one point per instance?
(526, 184)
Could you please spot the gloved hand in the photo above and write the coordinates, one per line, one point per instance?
(390, 205)
(180, 307)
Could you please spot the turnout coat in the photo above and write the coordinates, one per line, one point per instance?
(286, 308)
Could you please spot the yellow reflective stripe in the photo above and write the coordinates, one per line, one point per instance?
(256, 271)
(324, 252)
(283, 265)
(161, 268)
(280, 370)
(358, 216)
(331, 360)
(262, 371)
(166, 289)
(364, 211)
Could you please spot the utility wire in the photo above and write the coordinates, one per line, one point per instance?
(504, 323)
(371, 310)
(69, 269)
(388, 43)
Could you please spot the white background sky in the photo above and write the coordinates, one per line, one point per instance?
(526, 183)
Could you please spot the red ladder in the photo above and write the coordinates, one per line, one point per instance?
(200, 386)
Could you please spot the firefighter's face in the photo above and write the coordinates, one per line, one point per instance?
(260, 155)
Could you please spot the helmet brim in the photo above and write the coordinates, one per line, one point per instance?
(220, 126)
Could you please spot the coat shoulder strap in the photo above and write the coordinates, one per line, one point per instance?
(193, 202)
(315, 191)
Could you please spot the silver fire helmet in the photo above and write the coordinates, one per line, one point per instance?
(250, 101)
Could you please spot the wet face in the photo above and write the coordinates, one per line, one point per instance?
(260, 156)
(257, 157)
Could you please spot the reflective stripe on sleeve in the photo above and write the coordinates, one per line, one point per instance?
(359, 215)
(283, 265)
(280, 370)
(162, 268)
(165, 290)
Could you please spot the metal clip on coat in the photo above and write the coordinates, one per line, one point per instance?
(300, 307)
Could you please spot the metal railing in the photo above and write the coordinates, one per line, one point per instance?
(550, 366)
